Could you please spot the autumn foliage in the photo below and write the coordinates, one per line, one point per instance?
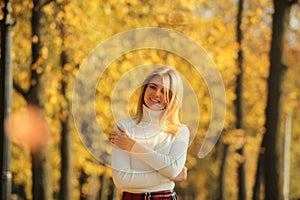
(88, 23)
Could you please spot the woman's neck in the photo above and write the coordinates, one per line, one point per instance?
(152, 116)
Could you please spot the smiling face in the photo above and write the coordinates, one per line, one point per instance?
(162, 89)
(154, 97)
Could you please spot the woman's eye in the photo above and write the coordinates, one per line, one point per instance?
(152, 87)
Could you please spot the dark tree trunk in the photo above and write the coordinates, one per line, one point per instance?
(66, 158)
(273, 156)
(40, 176)
(66, 139)
(104, 186)
(5, 100)
(40, 167)
(222, 192)
(259, 171)
(82, 180)
(239, 103)
(39, 159)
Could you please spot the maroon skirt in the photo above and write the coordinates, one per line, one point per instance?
(160, 195)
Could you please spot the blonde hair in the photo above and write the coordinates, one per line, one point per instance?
(173, 93)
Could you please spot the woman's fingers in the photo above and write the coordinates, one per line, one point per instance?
(121, 140)
(121, 129)
(114, 137)
(184, 170)
(182, 176)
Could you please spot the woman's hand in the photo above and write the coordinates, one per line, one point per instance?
(181, 176)
(121, 139)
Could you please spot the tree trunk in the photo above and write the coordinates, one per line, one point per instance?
(5, 100)
(40, 167)
(66, 138)
(287, 157)
(107, 190)
(239, 103)
(66, 160)
(259, 171)
(273, 157)
(40, 176)
(82, 180)
(104, 186)
(222, 192)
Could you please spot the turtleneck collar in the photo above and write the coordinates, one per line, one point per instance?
(151, 116)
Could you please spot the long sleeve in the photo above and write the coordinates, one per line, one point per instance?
(154, 159)
(126, 177)
(169, 164)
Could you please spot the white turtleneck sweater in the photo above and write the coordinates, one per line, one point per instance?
(155, 157)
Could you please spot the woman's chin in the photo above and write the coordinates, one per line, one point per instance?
(156, 107)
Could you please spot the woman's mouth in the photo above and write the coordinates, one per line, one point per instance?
(154, 100)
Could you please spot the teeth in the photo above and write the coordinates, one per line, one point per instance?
(154, 100)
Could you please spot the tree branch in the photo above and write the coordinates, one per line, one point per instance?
(46, 3)
(291, 2)
(19, 89)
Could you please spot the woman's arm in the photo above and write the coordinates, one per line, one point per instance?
(169, 165)
(126, 177)
(182, 176)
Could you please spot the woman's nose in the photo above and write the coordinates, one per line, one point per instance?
(157, 93)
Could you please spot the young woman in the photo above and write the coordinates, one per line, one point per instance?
(149, 150)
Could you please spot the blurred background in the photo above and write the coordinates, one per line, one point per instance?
(254, 44)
